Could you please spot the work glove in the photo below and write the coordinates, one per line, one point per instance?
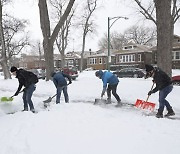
(150, 92)
(70, 82)
(103, 92)
(16, 93)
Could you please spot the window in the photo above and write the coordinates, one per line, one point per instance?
(139, 57)
(176, 55)
(100, 60)
(127, 58)
(93, 61)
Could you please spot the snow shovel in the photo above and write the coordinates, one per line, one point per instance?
(8, 99)
(50, 98)
(100, 101)
(145, 104)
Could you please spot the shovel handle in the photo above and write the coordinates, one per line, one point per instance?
(151, 89)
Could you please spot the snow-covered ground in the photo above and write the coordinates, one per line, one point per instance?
(83, 128)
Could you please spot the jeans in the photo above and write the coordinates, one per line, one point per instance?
(59, 90)
(113, 89)
(27, 96)
(162, 98)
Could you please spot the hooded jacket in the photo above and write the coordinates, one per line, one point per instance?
(108, 77)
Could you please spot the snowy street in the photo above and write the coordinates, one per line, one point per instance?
(80, 127)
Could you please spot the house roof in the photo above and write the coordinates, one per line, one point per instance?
(132, 47)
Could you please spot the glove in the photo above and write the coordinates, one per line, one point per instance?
(103, 92)
(150, 92)
(70, 82)
(16, 93)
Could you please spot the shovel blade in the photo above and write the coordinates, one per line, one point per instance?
(99, 101)
(6, 99)
(145, 105)
(48, 100)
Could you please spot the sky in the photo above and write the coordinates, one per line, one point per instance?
(28, 9)
(80, 127)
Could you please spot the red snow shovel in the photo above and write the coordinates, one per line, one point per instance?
(145, 104)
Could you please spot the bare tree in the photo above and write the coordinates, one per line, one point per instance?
(117, 41)
(48, 38)
(63, 35)
(141, 35)
(167, 13)
(87, 25)
(10, 27)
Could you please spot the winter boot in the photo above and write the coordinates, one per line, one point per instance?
(108, 101)
(25, 109)
(119, 103)
(170, 113)
(159, 114)
(33, 111)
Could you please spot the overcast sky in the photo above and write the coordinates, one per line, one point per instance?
(28, 9)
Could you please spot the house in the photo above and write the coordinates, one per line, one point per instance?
(98, 60)
(132, 55)
(31, 62)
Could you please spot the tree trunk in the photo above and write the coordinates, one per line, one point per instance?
(3, 60)
(164, 35)
(82, 53)
(48, 39)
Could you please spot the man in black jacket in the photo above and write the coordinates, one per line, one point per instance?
(163, 85)
(24, 80)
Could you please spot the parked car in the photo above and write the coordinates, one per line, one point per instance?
(41, 74)
(71, 71)
(130, 72)
(176, 80)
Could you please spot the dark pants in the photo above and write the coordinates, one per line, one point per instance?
(162, 98)
(59, 90)
(113, 89)
(27, 97)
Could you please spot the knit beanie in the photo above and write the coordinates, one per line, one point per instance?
(13, 69)
(149, 68)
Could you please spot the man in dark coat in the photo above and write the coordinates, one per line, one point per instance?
(110, 80)
(23, 78)
(60, 83)
(163, 85)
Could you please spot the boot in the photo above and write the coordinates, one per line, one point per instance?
(159, 114)
(33, 111)
(170, 113)
(119, 103)
(25, 109)
(108, 101)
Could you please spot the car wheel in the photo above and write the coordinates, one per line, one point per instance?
(176, 83)
(135, 76)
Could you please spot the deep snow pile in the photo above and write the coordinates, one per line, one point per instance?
(83, 128)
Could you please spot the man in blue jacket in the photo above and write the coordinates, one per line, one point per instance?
(110, 80)
(60, 83)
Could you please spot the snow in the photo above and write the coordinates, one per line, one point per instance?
(83, 128)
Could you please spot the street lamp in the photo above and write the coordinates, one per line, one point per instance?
(109, 26)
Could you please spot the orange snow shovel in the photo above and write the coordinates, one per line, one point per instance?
(145, 104)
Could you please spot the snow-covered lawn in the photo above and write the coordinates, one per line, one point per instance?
(83, 128)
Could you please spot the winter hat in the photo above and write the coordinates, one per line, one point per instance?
(99, 73)
(13, 69)
(149, 68)
(52, 74)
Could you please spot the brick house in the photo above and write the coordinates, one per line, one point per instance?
(132, 55)
(31, 62)
(98, 60)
